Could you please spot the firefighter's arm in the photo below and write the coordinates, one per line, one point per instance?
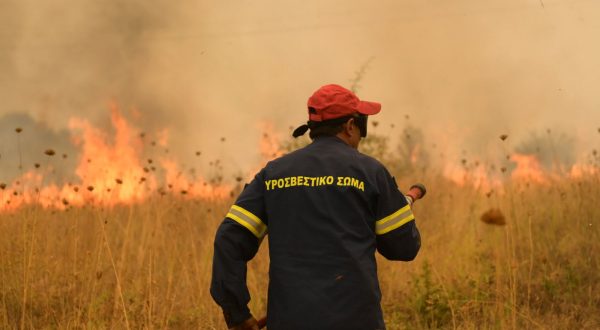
(400, 244)
(397, 235)
(234, 247)
(236, 242)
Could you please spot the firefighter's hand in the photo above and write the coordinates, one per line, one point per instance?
(249, 324)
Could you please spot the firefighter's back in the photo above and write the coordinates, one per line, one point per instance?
(320, 204)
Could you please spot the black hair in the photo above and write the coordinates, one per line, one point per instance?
(331, 127)
(334, 126)
(325, 130)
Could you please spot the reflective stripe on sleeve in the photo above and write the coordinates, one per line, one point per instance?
(394, 220)
(248, 220)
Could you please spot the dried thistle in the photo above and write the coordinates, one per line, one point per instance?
(65, 202)
(50, 152)
(37, 165)
(493, 216)
(198, 153)
(18, 130)
(503, 137)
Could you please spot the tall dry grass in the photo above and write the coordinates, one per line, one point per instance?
(143, 266)
(148, 266)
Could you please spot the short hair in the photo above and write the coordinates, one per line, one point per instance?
(325, 130)
(333, 126)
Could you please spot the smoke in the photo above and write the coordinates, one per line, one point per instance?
(465, 71)
(23, 142)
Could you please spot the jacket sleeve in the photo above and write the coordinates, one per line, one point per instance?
(236, 242)
(400, 244)
(397, 235)
(234, 247)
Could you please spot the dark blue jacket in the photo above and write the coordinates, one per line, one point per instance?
(326, 208)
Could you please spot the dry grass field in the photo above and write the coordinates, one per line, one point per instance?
(532, 262)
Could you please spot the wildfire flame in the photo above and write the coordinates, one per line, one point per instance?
(478, 177)
(528, 169)
(110, 171)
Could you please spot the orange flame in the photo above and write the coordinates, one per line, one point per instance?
(110, 172)
(103, 163)
(113, 171)
(528, 169)
(579, 171)
(477, 177)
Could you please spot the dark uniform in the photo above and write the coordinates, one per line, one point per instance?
(327, 208)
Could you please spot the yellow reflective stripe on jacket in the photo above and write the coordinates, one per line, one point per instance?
(248, 220)
(394, 220)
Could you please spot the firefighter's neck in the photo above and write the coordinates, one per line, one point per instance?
(350, 133)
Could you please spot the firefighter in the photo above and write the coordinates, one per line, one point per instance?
(326, 208)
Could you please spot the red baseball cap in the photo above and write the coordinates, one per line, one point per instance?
(334, 101)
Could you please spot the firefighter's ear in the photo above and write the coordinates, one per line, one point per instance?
(350, 127)
(350, 133)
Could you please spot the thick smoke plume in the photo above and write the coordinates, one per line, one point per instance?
(465, 71)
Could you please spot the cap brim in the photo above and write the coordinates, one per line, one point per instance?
(369, 108)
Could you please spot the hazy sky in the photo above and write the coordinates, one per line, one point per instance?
(465, 70)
